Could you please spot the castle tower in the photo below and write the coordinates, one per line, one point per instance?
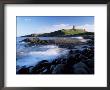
(73, 27)
(84, 30)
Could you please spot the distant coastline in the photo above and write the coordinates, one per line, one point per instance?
(62, 33)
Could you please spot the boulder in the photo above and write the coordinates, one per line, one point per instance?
(88, 53)
(61, 69)
(23, 70)
(45, 71)
(56, 61)
(34, 41)
(80, 71)
(90, 63)
(80, 68)
(71, 52)
(71, 60)
(90, 42)
(41, 66)
(63, 61)
(77, 51)
(52, 67)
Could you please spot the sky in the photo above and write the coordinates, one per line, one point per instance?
(45, 24)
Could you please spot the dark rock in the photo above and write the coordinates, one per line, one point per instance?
(43, 61)
(63, 61)
(34, 41)
(80, 68)
(37, 70)
(90, 63)
(45, 71)
(88, 53)
(90, 42)
(71, 60)
(56, 61)
(17, 68)
(71, 52)
(52, 67)
(23, 70)
(70, 46)
(80, 71)
(41, 66)
(30, 39)
(30, 68)
(77, 51)
(53, 62)
(77, 57)
(61, 69)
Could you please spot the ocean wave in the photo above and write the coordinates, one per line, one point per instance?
(46, 52)
(77, 37)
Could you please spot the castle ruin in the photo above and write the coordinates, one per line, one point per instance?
(73, 28)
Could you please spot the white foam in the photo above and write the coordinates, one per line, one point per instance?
(77, 37)
(32, 56)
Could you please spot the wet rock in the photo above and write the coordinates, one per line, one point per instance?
(77, 51)
(30, 68)
(71, 60)
(43, 61)
(80, 71)
(61, 69)
(70, 46)
(35, 41)
(80, 68)
(30, 39)
(37, 70)
(71, 52)
(77, 57)
(88, 52)
(52, 67)
(23, 70)
(45, 71)
(56, 61)
(85, 47)
(53, 62)
(90, 42)
(63, 61)
(90, 63)
(18, 68)
(41, 66)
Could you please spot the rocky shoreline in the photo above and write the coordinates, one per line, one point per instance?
(78, 61)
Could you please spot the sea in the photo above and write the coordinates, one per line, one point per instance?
(30, 56)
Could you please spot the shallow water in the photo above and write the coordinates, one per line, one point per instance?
(30, 56)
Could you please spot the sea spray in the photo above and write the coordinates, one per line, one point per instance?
(32, 55)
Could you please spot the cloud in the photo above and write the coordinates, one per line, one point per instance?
(62, 26)
(27, 19)
(88, 27)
